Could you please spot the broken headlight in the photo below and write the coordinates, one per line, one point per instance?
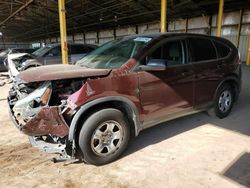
(29, 106)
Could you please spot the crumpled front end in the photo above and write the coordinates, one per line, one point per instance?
(39, 110)
(31, 113)
(14, 62)
(44, 109)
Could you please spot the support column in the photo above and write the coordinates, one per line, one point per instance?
(3, 42)
(248, 51)
(220, 17)
(63, 31)
(84, 38)
(114, 33)
(163, 16)
(239, 29)
(186, 25)
(97, 37)
(210, 25)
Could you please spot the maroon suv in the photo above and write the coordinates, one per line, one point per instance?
(90, 110)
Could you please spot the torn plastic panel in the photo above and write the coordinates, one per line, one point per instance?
(48, 121)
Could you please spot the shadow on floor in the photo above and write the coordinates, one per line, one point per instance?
(239, 170)
(165, 131)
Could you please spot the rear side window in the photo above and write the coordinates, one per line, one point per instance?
(222, 49)
(78, 49)
(202, 49)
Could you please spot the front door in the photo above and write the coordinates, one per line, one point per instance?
(166, 93)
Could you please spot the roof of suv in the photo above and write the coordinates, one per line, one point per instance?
(168, 34)
(58, 44)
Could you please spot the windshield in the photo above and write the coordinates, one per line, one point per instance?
(41, 51)
(114, 54)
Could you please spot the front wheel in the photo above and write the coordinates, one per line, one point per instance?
(104, 136)
(224, 101)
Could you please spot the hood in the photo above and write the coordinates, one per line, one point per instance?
(16, 55)
(59, 72)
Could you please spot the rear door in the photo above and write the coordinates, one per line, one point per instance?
(208, 69)
(168, 92)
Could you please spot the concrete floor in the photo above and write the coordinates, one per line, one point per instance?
(193, 151)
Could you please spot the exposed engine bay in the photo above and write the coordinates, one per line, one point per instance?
(40, 110)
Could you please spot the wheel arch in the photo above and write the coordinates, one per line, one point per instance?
(120, 103)
(234, 82)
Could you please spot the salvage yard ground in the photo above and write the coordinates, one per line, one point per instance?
(193, 151)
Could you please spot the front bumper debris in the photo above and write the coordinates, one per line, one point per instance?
(48, 121)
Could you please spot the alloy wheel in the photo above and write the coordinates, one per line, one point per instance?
(107, 138)
(225, 101)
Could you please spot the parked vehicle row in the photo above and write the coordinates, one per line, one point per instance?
(48, 55)
(91, 110)
(5, 53)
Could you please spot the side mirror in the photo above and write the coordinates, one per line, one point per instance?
(154, 65)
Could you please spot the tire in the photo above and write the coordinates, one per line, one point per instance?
(224, 101)
(104, 136)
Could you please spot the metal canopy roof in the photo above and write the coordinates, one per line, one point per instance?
(26, 20)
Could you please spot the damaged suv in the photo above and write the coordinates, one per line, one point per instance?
(90, 110)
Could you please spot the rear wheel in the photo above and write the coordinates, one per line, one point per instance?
(104, 136)
(224, 101)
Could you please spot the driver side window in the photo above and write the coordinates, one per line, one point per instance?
(171, 52)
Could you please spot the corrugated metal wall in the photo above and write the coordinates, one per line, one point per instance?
(5, 45)
(243, 47)
(200, 25)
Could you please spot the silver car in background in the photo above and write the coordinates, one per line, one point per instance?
(4, 54)
(48, 55)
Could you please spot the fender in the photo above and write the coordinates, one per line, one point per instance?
(228, 78)
(85, 107)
